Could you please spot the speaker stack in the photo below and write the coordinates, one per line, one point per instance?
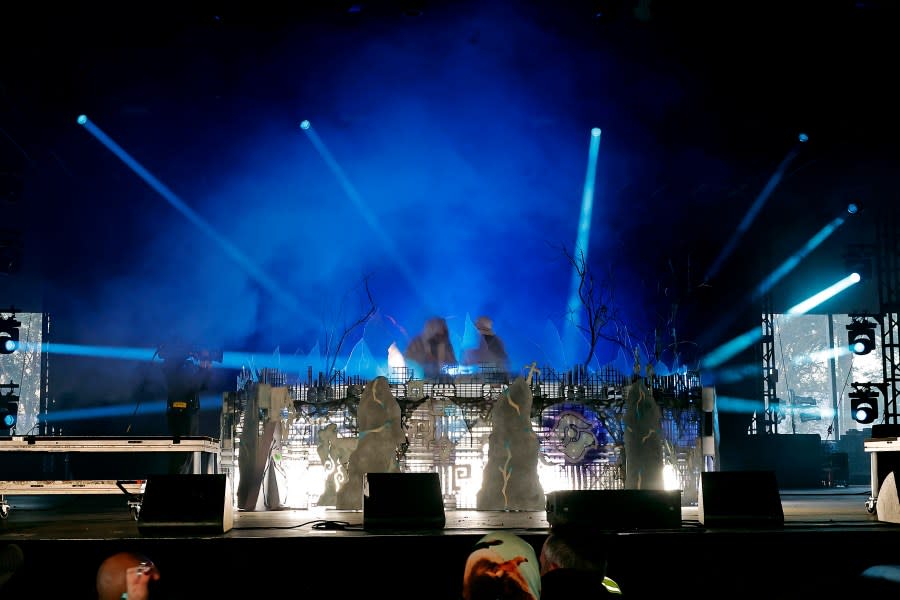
(739, 499)
(186, 505)
(614, 510)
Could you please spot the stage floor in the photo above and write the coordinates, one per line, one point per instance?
(108, 517)
(827, 534)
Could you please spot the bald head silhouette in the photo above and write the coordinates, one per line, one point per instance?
(111, 575)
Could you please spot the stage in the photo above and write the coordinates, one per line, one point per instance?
(828, 539)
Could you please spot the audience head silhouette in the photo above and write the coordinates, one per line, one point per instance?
(125, 573)
(502, 565)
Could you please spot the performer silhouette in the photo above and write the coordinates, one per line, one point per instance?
(186, 376)
(432, 349)
(490, 350)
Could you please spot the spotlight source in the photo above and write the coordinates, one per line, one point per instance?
(864, 402)
(304, 124)
(9, 333)
(803, 138)
(861, 334)
(82, 119)
(9, 406)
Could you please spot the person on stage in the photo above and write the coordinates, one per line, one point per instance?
(490, 351)
(187, 375)
(432, 349)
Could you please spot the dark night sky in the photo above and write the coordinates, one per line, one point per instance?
(464, 133)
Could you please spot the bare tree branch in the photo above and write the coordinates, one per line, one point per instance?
(331, 356)
(596, 306)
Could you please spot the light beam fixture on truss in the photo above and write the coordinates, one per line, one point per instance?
(861, 334)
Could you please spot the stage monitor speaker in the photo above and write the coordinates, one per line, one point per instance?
(614, 510)
(403, 501)
(887, 505)
(186, 504)
(739, 499)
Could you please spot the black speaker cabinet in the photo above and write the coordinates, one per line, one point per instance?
(403, 501)
(186, 504)
(614, 510)
(739, 499)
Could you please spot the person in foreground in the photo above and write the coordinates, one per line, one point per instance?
(502, 565)
(126, 575)
(574, 563)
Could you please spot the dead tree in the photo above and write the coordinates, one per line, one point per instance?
(334, 341)
(595, 296)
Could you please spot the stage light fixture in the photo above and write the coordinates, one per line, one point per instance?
(9, 333)
(803, 138)
(861, 334)
(864, 402)
(9, 405)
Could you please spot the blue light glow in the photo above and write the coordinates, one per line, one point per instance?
(226, 245)
(853, 208)
(100, 412)
(367, 213)
(730, 349)
(859, 348)
(82, 119)
(9, 421)
(803, 138)
(304, 124)
(822, 355)
(580, 253)
(584, 218)
(738, 405)
(10, 345)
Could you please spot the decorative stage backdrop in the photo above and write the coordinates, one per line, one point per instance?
(498, 444)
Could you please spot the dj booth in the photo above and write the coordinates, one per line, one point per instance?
(200, 447)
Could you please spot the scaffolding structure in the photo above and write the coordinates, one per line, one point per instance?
(888, 268)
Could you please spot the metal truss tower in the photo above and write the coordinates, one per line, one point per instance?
(888, 267)
(771, 403)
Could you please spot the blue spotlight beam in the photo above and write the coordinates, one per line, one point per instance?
(369, 217)
(783, 270)
(230, 360)
(751, 214)
(100, 412)
(582, 240)
(230, 249)
(738, 405)
(731, 348)
(794, 260)
(829, 292)
(93, 351)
